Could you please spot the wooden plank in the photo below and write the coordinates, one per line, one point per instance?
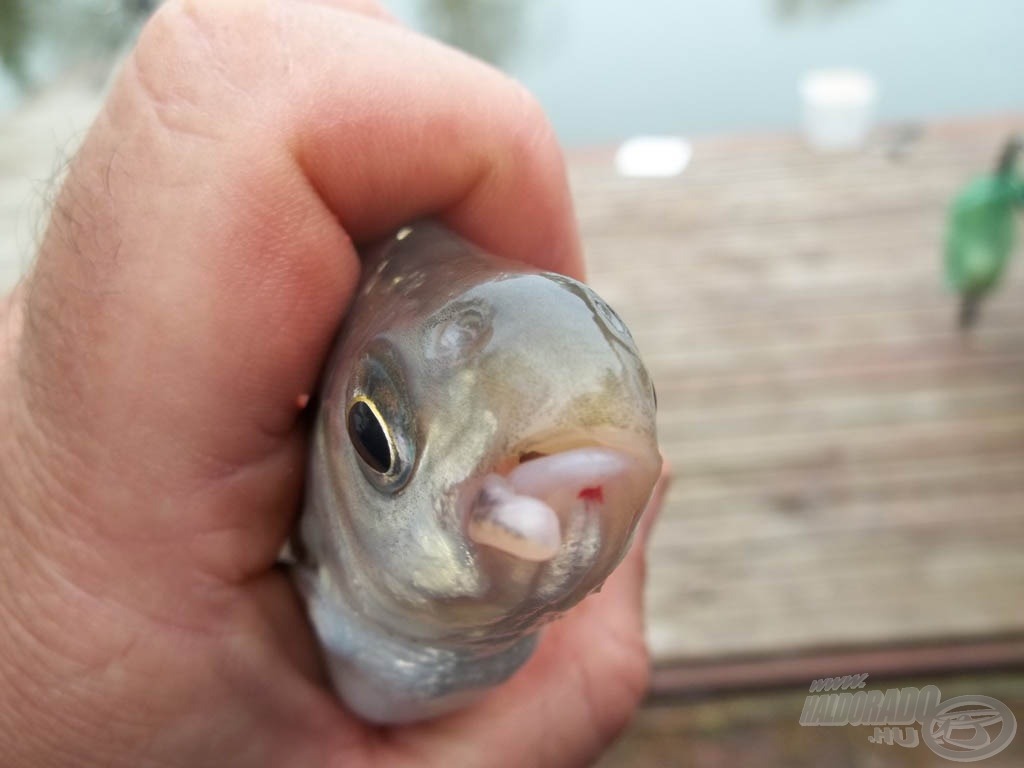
(802, 411)
(849, 468)
(672, 683)
(742, 400)
(845, 446)
(800, 589)
(709, 501)
(852, 288)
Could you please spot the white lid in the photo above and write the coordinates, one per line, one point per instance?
(653, 156)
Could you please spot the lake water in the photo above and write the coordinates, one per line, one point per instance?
(607, 69)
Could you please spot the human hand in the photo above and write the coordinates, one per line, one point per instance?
(199, 259)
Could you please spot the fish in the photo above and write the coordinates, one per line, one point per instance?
(483, 446)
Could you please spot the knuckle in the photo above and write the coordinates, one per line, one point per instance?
(194, 61)
(628, 677)
(525, 142)
(529, 120)
(529, 105)
(633, 673)
(612, 685)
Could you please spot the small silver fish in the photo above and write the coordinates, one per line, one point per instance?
(484, 446)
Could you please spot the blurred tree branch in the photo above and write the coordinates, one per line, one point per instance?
(488, 29)
(792, 9)
(14, 30)
(69, 31)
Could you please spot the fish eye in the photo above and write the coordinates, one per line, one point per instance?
(370, 436)
(377, 419)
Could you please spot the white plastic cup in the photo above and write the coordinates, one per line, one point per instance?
(838, 107)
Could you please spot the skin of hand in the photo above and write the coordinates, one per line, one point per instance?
(199, 258)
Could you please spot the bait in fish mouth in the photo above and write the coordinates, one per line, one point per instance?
(484, 446)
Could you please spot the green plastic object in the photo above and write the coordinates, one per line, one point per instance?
(982, 233)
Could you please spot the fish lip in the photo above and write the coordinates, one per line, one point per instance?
(510, 596)
(635, 449)
(576, 474)
(522, 591)
(636, 445)
(570, 477)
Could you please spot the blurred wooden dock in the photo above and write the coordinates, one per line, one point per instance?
(849, 468)
(764, 730)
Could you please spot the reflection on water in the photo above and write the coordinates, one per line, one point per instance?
(489, 29)
(793, 9)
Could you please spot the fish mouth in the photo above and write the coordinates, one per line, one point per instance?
(530, 510)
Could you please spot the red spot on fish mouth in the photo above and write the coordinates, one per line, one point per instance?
(592, 494)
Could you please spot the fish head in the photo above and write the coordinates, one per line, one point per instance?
(486, 461)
